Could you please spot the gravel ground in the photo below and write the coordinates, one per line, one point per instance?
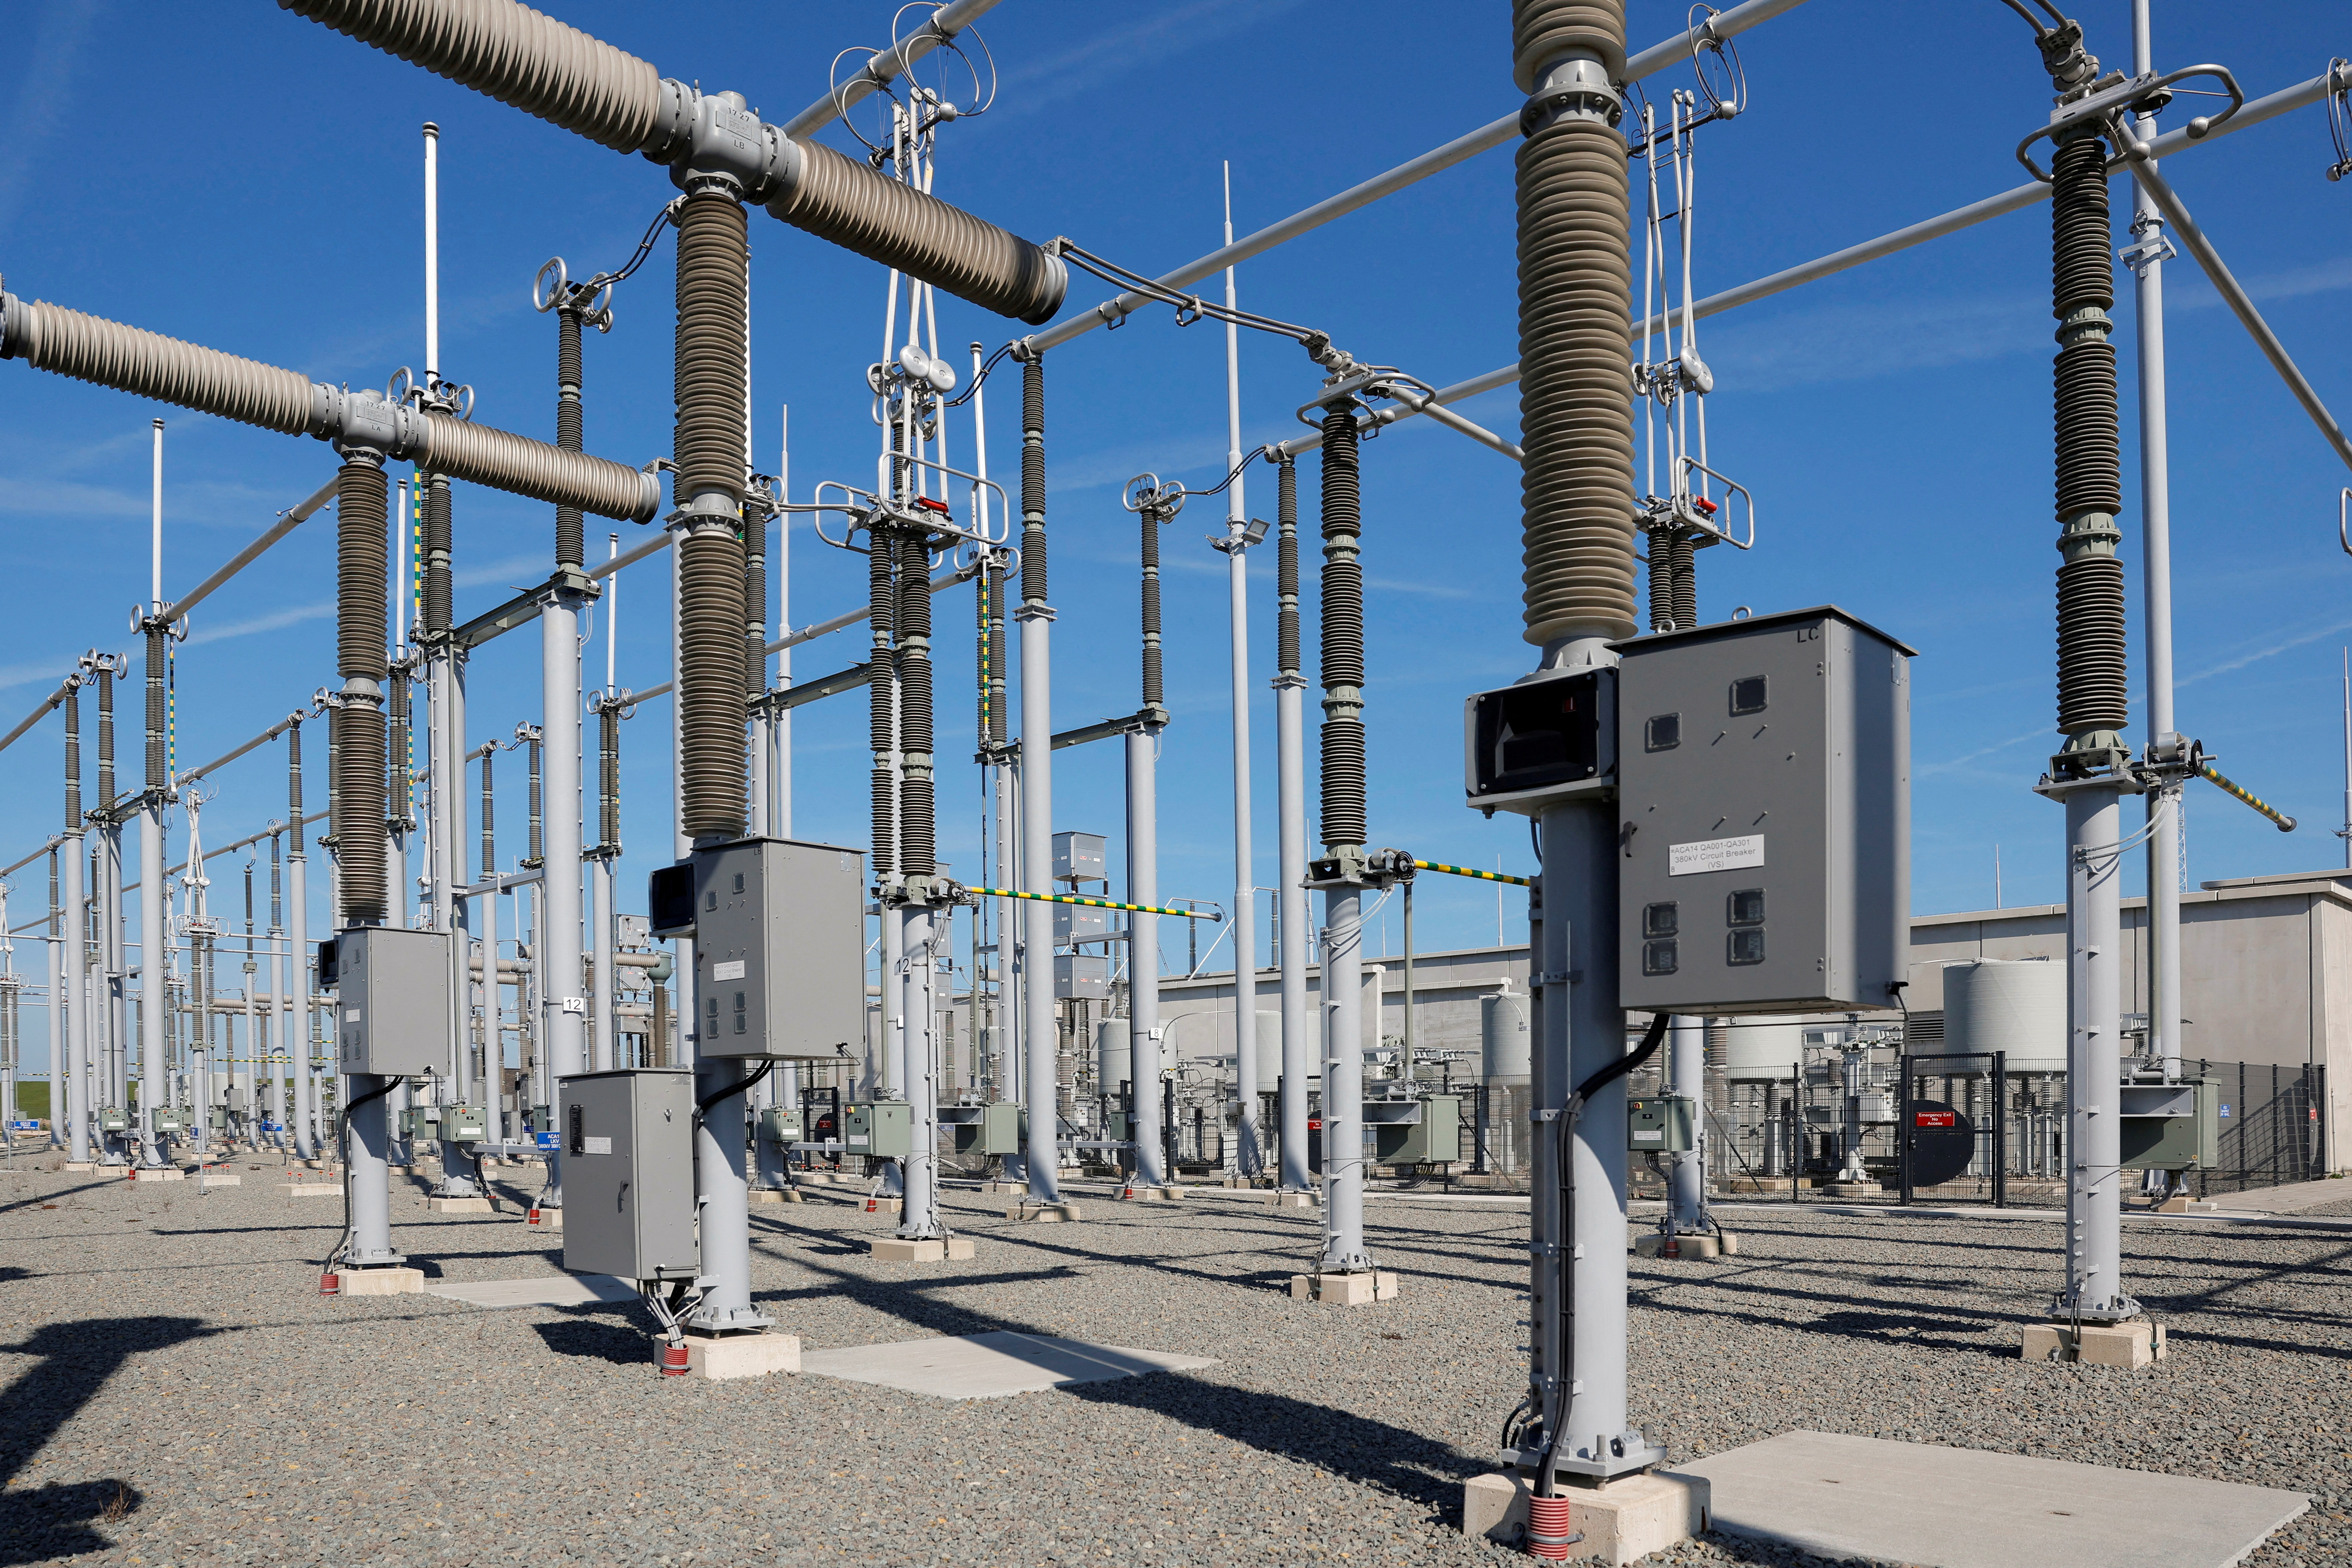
(179, 1395)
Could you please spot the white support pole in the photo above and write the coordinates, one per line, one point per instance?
(1249, 1156)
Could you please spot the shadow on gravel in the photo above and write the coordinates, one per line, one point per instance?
(34, 1203)
(1373, 1453)
(41, 1523)
(615, 1342)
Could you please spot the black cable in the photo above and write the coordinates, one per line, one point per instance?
(702, 1107)
(662, 219)
(986, 365)
(1133, 282)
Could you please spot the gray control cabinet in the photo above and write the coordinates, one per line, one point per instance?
(628, 1173)
(778, 950)
(1423, 1130)
(1764, 808)
(880, 1130)
(1663, 1124)
(392, 1000)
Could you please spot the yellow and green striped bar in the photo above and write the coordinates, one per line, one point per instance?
(1098, 903)
(2286, 823)
(1467, 871)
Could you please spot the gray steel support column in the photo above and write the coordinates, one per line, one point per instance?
(297, 1028)
(1580, 1030)
(2155, 545)
(106, 1064)
(606, 1053)
(1299, 1036)
(563, 1044)
(61, 1077)
(1013, 959)
(918, 1216)
(890, 1081)
(1036, 916)
(1343, 1081)
(367, 1146)
(1686, 1173)
(1143, 954)
(154, 906)
(722, 1194)
(2095, 1289)
(66, 999)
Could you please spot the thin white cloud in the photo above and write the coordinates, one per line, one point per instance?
(295, 615)
(1140, 45)
(44, 105)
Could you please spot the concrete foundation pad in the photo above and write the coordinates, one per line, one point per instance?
(380, 1281)
(774, 1195)
(741, 1355)
(2138, 1343)
(885, 1205)
(821, 1178)
(457, 1206)
(1004, 1189)
(1691, 1249)
(81, 1164)
(1044, 1214)
(1962, 1508)
(159, 1174)
(896, 1250)
(1345, 1289)
(220, 1179)
(989, 1365)
(1151, 1195)
(1621, 1522)
(2187, 1206)
(1292, 1200)
(311, 1189)
(1852, 1189)
(547, 1219)
(551, 1290)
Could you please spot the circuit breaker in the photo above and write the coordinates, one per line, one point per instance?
(1663, 1124)
(1084, 975)
(393, 1017)
(880, 1130)
(1423, 1130)
(2170, 1126)
(779, 937)
(628, 1173)
(1079, 922)
(1079, 857)
(983, 1129)
(1763, 797)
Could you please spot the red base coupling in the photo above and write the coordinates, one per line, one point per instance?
(534, 1216)
(1129, 1193)
(1673, 1248)
(872, 1205)
(330, 1284)
(673, 1360)
(1548, 1536)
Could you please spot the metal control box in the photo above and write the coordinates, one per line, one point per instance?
(779, 941)
(2170, 1126)
(879, 1129)
(782, 1125)
(1079, 922)
(392, 1015)
(462, 1124)
(1661, 1125)
(1763, 798)
(1082, 975)
(421, 1121)
(1079, 857)
(983, 1129)
(628, 1138)
(1425, 1130)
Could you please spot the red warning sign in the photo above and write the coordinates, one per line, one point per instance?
(1935, 1118)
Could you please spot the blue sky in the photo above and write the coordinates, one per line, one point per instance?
(253, 183)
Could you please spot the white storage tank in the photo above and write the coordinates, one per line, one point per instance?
(2015, 1006)
(1507, 1050)
(1114, 1056)
(1761, 1050)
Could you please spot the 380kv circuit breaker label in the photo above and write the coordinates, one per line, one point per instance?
(1715, 855)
